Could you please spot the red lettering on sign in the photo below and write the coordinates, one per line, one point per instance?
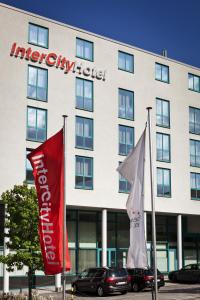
(12, 51)
(35, 56)
(51, 56)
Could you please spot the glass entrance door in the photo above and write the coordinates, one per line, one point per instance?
(111, 257)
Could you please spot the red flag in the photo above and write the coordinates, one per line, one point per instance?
(48, 167)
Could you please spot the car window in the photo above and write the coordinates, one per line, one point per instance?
(84, 274)
(91, 272)
(117, 272)
(100, 273)
(188, 267)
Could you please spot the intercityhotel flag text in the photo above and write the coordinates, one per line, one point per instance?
(48, 167)
(132, 169)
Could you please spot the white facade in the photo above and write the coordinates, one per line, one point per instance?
(62, 100)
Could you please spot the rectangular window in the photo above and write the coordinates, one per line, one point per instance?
(84, 49)
(162, 73)
(195, 185)
(126, 139)
(125, 62)
(163, 147)
(124, 185)
(194, 120)
(162, 113)
(195, 153)
(126, 104)
(29, 169)
(37, 83)
(38, 35)
(36, 124)
(84, 133)
(84, 94)
(84, 172)
(193, 82)
(163, 182)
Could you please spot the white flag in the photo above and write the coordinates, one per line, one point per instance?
(132, 169)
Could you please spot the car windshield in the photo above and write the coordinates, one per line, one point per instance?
(117, 272)
(151, 272)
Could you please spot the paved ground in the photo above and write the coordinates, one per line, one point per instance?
(169, 292)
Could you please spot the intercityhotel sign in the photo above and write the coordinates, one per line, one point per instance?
(58, 61)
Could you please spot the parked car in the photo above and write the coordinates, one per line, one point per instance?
(102, 281)
(189, 273)
(144, 278)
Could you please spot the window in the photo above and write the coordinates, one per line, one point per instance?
(193, 82)
(195, 153)
(194, 120)
(163, 182)
(195, 185)
(84, 133)
(84, 49)
(124, 185)
(38, 35)
(126, 104)
(125, 61)
(162, 113)
(84, 94)
(163, 147)
(162, 73)
(37, 83)
(29, 169)
(84, 172)
(126, 139)
(36, 124)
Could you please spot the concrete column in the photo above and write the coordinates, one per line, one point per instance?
(179, 240)
(5, 272)
(58, 282)
(104, 237)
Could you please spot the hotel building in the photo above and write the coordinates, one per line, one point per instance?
(49, 69)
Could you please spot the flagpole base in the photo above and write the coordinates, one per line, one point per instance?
(58, 289)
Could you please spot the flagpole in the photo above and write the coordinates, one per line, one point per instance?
(153, 211)
(64, 207)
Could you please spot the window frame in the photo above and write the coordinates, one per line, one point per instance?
(92, 171)
(194, 165)
(168, 103)
(169, 140)
(92, 129)
(195, 109)
(28, 150)
(128, 91)
(92, 84)
(36, 44)
(160, 79)
(35, 98)
(196, 190)
(37, 109)
(85, 41)
(121, 178)
(133, 131)
(193, 89)
(163, 195)
(126, 54)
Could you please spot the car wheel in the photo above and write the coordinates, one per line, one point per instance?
(100, 291)
(135, 287)
(75, 289)
(124, 292)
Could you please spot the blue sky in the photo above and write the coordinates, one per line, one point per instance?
(149, 24)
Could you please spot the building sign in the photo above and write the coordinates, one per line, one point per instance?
(58, 61)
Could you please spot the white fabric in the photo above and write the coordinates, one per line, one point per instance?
(132, 169)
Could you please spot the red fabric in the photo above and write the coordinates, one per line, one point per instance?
(48, 166)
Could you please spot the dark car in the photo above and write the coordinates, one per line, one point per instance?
(189, 273)
(144, 278)
(102, 281)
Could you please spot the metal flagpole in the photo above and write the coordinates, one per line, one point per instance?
(64, 208)
(153, 212)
